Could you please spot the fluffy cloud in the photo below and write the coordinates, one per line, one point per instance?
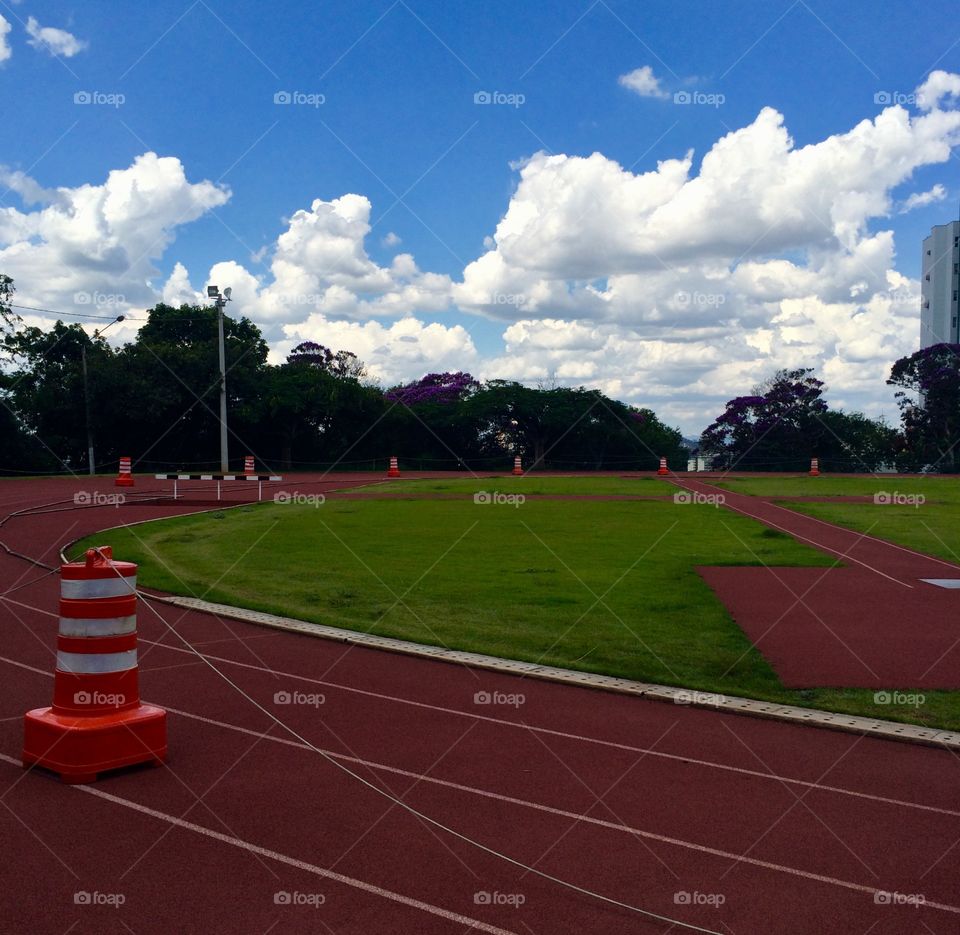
(692, 286)
(99, 239)
(320, 267)
(5, 50)
(53, 40)
(678, 287)
(642, 81)
(404, 350)
(922, 199)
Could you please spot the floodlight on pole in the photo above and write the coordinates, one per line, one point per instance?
(213, 292)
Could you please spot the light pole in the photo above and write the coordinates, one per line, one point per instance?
(86, 394)
(213, 292)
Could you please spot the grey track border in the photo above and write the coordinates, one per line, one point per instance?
(728, 704)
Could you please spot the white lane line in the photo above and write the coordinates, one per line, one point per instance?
(864, 535)
(563, 813)
(819, 545)
(675, 757)
(284, 859)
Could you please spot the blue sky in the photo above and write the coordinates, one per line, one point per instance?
(399, 126)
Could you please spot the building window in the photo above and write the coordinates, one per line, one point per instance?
(927, 277)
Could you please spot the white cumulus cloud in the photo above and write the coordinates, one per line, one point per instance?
(922, 199)
(642, 81)
(53, 40)
(100, 239)
(5, 50)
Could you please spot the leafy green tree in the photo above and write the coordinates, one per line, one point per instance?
(573, 427)
(929, 401)
(167, 384)
(854, 442)
(46, 388)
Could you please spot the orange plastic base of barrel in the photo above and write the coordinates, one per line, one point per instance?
(124, 480)
(78, 748)
(393, 472)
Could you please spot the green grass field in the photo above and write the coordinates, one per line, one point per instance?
(601, 586)
(533, 484)
(931, 525)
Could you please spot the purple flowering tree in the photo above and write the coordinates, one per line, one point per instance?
(777, 428)
(442, 388)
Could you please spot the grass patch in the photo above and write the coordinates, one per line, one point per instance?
(606, 587)
(933, 529)
(935, 488)
(929, 523)
(532, 484)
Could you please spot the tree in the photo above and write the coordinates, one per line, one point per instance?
(777, 428)
(442, 388)
(19, 451)
(46, 389)
(344, 365)
(929, 401)
(167, 385)
(9, 319)
(573, 427)
(856, 442)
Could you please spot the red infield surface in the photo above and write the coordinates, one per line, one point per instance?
(729, 823)
(873, 623)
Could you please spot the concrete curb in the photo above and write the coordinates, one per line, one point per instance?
(811, 717)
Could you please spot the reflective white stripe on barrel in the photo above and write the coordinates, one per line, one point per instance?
(83, 588)
(96, 663)
(87, 626)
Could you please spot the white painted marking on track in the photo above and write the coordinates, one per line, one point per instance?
(864, 535)
(285, 859)
(563, 813)
(819, 545)
(675, 757)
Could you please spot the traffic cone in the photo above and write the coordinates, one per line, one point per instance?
(125, 477)
(96, 722)
(662, 471)
(517, 466)
(394, 468)
(248, 465)
(814, 467)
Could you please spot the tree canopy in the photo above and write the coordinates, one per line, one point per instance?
(156, 398)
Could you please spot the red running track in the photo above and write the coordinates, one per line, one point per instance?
(734, 824)
(872, 623)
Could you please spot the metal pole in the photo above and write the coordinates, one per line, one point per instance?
(86, 408)
(224, 460)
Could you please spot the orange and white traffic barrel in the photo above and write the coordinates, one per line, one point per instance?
(125, 477)
(394, 467)
(97, 721)
(662, 470)
(517, 465)
(248, 466)
(814, 467)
